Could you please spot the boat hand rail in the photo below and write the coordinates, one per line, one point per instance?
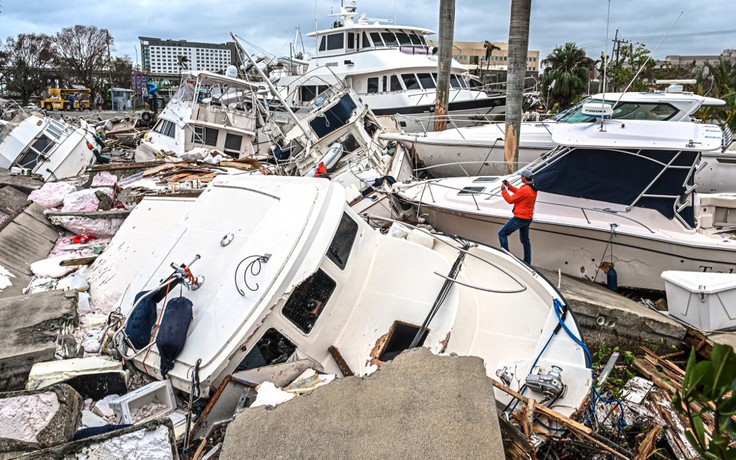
(523, 287)
(429, 184)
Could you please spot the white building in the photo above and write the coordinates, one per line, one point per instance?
(162, 57)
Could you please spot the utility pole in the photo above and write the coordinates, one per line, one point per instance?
(444, 63)
(518, 50)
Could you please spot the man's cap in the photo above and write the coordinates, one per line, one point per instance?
(526, 173)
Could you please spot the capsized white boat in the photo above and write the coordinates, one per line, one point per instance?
(479, 150)
(210, 112)
(285, 270)
(622, 192)
(53, 149)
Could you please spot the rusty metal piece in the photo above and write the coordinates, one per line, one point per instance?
(341, 363)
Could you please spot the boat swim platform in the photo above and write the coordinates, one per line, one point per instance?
(607, 316)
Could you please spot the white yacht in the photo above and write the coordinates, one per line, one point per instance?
(621, 192)
(292, 273)
(390, 66)
(38, 144)
(209, 112)
(479, 150)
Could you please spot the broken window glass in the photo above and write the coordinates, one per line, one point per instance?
(342, 243)
(272, 348)
(308, 300)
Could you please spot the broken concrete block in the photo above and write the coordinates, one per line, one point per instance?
(93, 377)
(31, 420)
(29, 326)
(416, 406)
(12, 201)
(150, 441)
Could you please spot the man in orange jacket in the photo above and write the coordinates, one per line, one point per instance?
(523, 199)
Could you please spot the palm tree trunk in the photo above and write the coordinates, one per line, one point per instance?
(447, 32)
(518, 46)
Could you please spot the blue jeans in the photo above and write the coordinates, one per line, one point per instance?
(522, 225)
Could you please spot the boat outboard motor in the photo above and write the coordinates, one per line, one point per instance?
(172, 332)
(549, 384)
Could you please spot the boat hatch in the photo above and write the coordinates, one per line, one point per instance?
(334, 118)
(272, 348)
(308, 300)
(486, 179)
(399, 338)
(471, 190)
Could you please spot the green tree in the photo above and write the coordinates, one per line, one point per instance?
(710, 386)
(719, 80)
(633, 71)
(29, 62)
(84, 51)
(567, 74)
(489, 47)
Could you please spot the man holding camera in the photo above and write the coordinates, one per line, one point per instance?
(523, 198)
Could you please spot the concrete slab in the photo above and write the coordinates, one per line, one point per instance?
(28, 238)
(725, 338)
(12, 200)
(31, 420)
(417, 406)
(606, 315)
(29, 325)
(153, 440)
(25, 184)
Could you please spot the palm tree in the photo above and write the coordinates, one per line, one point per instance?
(521, 11)
(489, 53)
(183, 63)
(567, 75)
(444, 63)
(719, 80)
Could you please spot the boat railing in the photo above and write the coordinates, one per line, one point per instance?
(497, 120)
(427, 187)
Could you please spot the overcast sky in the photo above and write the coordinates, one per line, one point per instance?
(705, 27)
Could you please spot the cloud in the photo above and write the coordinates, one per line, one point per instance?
(271, 23)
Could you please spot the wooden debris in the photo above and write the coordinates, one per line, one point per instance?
(80, 261)
(646, 448)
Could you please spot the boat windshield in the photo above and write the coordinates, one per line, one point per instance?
(624, 110)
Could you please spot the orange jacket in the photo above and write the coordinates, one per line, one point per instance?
(523, 199)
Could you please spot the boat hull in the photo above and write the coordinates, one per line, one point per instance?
(576, 251)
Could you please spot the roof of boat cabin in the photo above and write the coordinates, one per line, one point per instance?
(222, 79)
(640, 134)
(658, 96)
(371, 27)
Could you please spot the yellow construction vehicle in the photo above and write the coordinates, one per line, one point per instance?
(59, 99)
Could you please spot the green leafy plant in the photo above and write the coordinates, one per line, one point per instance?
(710, 385)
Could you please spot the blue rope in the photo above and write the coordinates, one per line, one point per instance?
(621, 422)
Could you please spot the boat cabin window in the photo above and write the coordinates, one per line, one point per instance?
(395, 83)
(474, 84)
(377, 40)
(166, 128)
(384, 83)
(204, 135)
(624, 111)
(410, 81)
(272, 348)
(309, 92)
(351, 41)
(400, 337)
(308, 300)
(403, 39)
(373, 85)
(30, 158)
(342, 243)
(233, 142)
(366, 42)
(426, 80)
(471, 191)
(389, 38)
(415, 39)
(323, 44)
(335, 41)
(455, 81)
